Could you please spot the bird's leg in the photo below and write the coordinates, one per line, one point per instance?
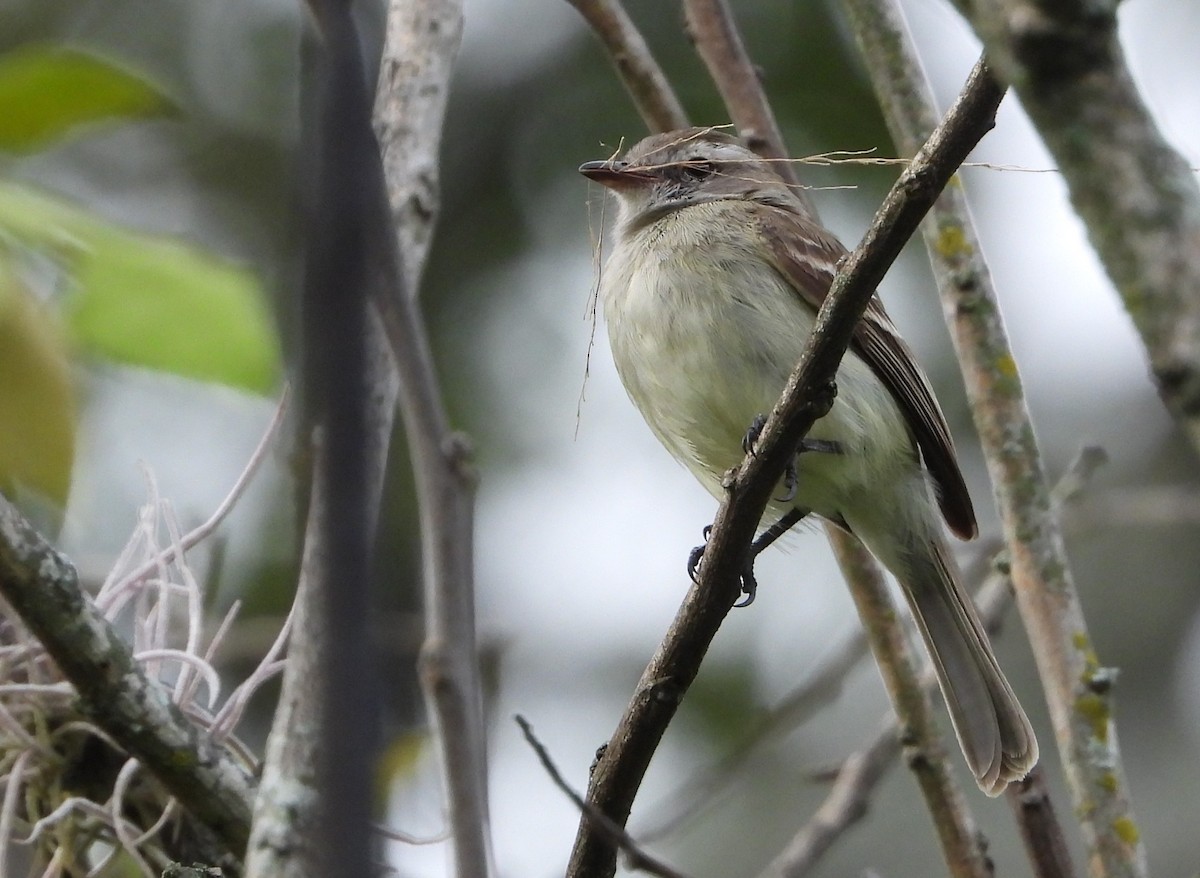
(749, 582)
(790, 478)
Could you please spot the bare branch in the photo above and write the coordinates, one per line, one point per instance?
(816, 691)
(1077, 688)
(712, 28)
(647, 85)
(637, 859)
(861, 772)
(1137, 196)
(1040, 828)
(671, 671)
(43, 588)
(420, 46)
(422, 42)
(913, 706)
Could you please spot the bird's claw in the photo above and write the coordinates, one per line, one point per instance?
(697, 555)
(753, 433)
(748, 580)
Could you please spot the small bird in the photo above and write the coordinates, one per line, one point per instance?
(710, 293)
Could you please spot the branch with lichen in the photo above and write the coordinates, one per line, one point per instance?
(113, 702)
(1137, 196)
(421, 45)
(1077, 688)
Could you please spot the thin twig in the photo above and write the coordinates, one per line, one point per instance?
(43, 587)
(647, 85)
(818, 690)
(807, 397)
(1076, 686)
(174, 551)
(636, 858)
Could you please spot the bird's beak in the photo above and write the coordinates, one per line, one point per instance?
(616, 175)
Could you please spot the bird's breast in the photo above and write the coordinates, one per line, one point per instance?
(704, 333)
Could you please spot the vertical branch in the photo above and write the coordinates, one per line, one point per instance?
(913, 706)
(422, 41)
(287, 809)
(338, 271)
(639, 72)
(1078, 688)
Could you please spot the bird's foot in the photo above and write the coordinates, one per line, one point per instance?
(749, 584)
(791, 478)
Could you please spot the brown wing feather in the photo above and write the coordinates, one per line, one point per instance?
(807, 256)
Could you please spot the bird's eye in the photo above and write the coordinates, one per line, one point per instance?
(698, 169)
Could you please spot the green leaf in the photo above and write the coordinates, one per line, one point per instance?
(149, 301)
(46, 91)
(37, 400)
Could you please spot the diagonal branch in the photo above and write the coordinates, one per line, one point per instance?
(43, 588)
(1137, 196)
(711, 26)
(643, 78)
(618, 772)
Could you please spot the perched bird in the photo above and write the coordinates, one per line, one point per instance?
(710, 293)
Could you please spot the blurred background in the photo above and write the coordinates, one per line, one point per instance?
(186, 195)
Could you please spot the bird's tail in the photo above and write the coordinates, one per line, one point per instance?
(992, 729)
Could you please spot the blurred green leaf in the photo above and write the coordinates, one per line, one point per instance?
(148, 301)
(37, 401)
(46, 90)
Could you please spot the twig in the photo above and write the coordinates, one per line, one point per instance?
(422, 42)
(712, 28)
(674, 666)
(636, 858)
(642, 77)
(196, 535)
(1040, 828)
(1137, 196)
(844, 806)
(1080, 703)
(913, 706)
(43, 588)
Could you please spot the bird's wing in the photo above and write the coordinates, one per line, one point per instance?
(807, 256)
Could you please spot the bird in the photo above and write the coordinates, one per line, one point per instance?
(710, 293)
